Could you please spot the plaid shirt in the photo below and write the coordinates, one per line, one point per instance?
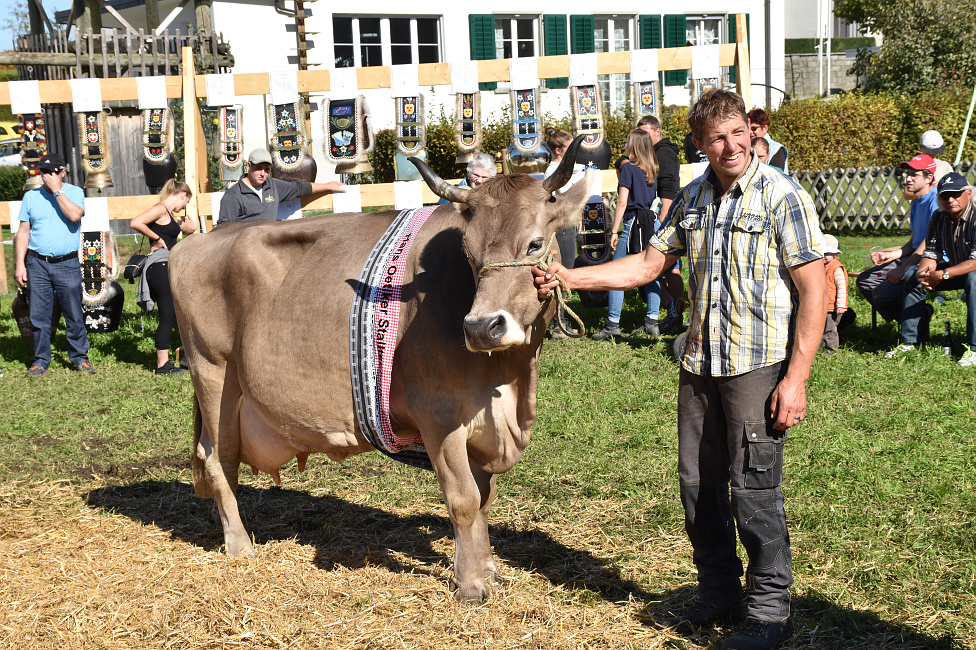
(957, 239)
(739, 249)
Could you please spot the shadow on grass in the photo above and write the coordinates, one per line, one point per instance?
(354, 536)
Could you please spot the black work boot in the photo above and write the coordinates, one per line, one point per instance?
(705, 615)
(759, 635)
(610, 330)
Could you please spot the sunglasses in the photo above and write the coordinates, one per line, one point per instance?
(952, 195)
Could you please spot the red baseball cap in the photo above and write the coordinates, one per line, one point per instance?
(922, 162)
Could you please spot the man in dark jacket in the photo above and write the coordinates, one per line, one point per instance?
(256, 195)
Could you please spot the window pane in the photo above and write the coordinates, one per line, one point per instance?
(344, 56)
(621, 35)
(400, 30)
(400, 54)
(372, 55)
(600, 28)
(342, 30)
(711, 31)
(506, 50)
(526, 48)
(427, 30)
(429, 54)
(369, 31)
(525, 27)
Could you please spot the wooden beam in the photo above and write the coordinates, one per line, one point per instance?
(193, 139)
(152, 14)
(743, 77)
(119, 18)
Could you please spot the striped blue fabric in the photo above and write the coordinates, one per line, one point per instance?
(740, 247)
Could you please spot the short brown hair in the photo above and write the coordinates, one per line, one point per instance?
(715, 106)
(649, 120)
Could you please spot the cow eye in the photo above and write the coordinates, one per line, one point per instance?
(534, 246)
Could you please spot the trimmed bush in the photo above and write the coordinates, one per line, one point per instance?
(12, 181)
(809, 45)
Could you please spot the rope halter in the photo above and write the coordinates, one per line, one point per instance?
(562, 291)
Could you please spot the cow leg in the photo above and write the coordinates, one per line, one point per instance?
(468, 493)
(220, 454)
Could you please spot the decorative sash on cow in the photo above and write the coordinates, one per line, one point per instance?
(527, 153)
(33, 147)
(231, 143)
(467, 126)
(645, 98)
(101, 296)
(587, 109)
(348, 136)
(373, 323)
(158, 165)
(95, 159)
(411, 136)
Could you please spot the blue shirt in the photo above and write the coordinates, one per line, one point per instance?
(52, 233)
(922, 210)
(641, 194)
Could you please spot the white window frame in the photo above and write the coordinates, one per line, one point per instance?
(723, 26)
(514, 18)
(386, 46)
(614, 82)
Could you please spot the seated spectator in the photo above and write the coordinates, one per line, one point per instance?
(761, 147)
(951, 235)
(880, 284)
(759, 125)
(480, 168)
(839, 313)
(932, 144)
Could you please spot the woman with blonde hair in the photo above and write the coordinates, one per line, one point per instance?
(635, 194)
(163, 229)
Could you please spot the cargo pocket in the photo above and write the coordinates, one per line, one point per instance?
(764, 456)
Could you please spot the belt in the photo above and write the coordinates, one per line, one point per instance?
(52, 259)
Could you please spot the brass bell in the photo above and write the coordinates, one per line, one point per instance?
(33, 182)
(358, 166)
(98, 180)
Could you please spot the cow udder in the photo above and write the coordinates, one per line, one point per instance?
(262, 446)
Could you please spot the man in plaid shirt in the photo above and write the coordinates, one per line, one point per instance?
(757, 292)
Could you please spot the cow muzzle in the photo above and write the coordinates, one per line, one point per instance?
(492, 332)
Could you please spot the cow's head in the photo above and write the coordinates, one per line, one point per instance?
(511, 219)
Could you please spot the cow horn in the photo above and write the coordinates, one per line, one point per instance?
(438, 185)
(565, 170)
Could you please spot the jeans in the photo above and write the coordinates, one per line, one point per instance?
(881, 294)
(616, 298)
(913, 307)
(730, 466)
(44, 282)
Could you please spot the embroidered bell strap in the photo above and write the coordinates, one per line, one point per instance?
(373, 324)
(645, 98)
(33, 143)
(156, 134)
(94, 146)
(231, 142)
(588, 115)
(94, 271)
(343, 141)
(467, 127)
(287, 134)
(594, 232)
(410, 135)
(526, 125)
(706, 84)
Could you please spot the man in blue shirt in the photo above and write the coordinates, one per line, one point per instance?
(881, 285)
(46, 262)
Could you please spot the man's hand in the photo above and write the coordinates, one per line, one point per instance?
(335, 186)
(546, 280)
(885, 256)
(896, 274)
(21, 275)
(52, 181)
(789, 404)
(928, 275)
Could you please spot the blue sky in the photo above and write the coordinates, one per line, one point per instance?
(8, 6)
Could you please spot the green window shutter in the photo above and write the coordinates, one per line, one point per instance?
(675, 36)
(481, 36)
(557, 42)
(651, 38)
(733, 39)
(581, 34)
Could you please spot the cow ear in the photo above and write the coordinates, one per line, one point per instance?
(565, 210)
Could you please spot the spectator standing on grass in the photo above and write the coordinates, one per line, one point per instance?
(46, 262)
(163, 229)
(839, 313)
(757, 293)
(932, 144)
(778, 155)
(948, 262)
(881, 284)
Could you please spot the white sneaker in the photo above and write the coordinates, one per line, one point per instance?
(900, 350)
(968, 359)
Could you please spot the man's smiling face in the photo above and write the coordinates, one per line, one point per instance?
(727, 145)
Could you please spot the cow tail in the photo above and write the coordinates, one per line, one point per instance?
(201, 486)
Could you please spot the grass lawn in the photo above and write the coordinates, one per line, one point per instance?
(102, 542)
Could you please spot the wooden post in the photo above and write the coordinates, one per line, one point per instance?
(743, 76)
(88, 15)
(152, 14)
(203, 13)
(36, 21)
(194, 144)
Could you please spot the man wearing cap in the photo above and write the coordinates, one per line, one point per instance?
(880, 285)
(256, 195)
(46, 262)
(948, 262)
(932, 144)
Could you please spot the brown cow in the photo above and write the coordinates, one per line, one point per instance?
(264, 312)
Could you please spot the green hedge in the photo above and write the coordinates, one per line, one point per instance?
(12, 181)
(809, 45)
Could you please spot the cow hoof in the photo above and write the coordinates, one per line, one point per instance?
(240, 548)
(474, 594)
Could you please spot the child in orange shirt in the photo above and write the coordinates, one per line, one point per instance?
(839, 314)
